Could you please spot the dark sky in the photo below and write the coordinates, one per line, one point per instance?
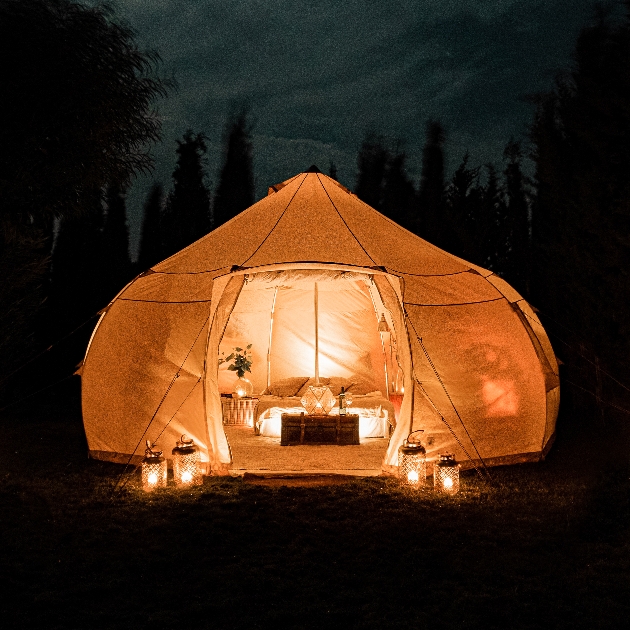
(318, 74)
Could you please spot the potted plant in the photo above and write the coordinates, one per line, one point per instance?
(241, 362)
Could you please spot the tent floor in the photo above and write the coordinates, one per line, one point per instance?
(264, 456)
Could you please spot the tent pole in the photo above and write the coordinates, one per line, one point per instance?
(273, 308)
(380, 334)
(316, 341)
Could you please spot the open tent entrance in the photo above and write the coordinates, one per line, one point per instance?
(304, 323)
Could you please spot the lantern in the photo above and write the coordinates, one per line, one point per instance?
(446, 475)
(153, 469)
(318, 400)
(186, 464)
(412, 462)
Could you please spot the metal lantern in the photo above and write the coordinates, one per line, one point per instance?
(412, 462)
(446, 475)
(186, 463)
(153, 469)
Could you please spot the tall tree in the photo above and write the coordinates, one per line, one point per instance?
(186, 217)
(76, 112)
(235, 190)
(151, 239)
(115, 242)
(462, 227)
(399, 194)
(494, 219)
(518, 260)
(78, 263)
(429, 219)
(372, 163)
(382, 179)
(581, 216)
(77, 106)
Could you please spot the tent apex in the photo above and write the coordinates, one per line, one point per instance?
(312, 169)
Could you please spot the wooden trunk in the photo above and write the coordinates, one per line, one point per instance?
(304, 429)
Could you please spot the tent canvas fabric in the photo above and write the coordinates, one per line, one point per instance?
(478, 372)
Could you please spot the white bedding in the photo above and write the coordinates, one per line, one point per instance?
(374, 415)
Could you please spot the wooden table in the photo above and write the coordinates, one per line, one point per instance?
(311, 429)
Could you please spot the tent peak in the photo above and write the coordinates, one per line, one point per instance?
(312, 169)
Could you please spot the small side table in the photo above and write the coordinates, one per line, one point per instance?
(239, 410)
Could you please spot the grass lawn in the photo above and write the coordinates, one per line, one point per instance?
(546, 546)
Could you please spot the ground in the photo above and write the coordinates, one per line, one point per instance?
(540, 546)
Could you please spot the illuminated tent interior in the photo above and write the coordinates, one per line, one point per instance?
(465, 352)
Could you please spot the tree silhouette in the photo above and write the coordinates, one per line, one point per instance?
(372, 165)
(235, 190)
(115, 243)
(80, 113)
(186, 217)
(382, 179)
(462, 227)
(428, 222)
(516, 267)
(76, 113)
(581, 214)
(151, 238)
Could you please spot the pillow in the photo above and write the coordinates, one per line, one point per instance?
(286, 387)
(310, 381)
(360, 385)
(337, 382)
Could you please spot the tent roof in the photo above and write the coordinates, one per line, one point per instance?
(311, 218)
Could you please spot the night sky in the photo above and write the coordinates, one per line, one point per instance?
(319, 74)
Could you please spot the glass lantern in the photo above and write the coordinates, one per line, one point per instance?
(412, 462)
(446, 475)
(318, 400)
(186, 463)
(153, 469)
(243, 388)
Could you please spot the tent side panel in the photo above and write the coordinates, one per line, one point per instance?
(493, 377)
(130, 391)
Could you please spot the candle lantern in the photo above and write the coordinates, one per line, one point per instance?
(318, 400)
(186, 463)
(446, 475)
(412, 462)
(153, 469)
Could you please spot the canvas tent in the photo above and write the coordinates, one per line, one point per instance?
(477, 369)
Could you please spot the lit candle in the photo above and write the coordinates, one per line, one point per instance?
(412, 477)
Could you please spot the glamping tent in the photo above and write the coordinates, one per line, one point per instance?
(460, 350)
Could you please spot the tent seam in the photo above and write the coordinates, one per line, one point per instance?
(345, 222)
(459, 304)
(275, 224)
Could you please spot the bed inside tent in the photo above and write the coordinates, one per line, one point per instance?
(304, 325)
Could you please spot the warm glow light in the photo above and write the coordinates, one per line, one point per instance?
(412, 476)
(500, 397)
(152, 478)
(448, 483)
(240, 393)
(402, 389)
(186, 477)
